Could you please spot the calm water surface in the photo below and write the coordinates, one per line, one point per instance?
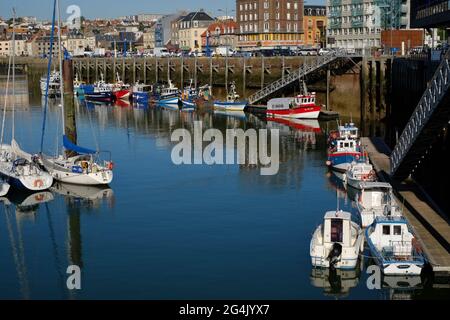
(175, 232)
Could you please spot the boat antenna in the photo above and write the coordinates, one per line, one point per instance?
(13, 73)
(6, 101)
(49, 66)
(61, 78)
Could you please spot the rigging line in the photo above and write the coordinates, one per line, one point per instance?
(55, 248)
(13, 71)
(49, 66)
(22, 279)
(6, 101)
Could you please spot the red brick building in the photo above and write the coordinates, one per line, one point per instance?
(221, 34)
(269, 23)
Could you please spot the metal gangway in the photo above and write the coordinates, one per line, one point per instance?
(306, 68)
(428, 119)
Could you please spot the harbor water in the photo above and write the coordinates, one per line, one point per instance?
(162, 231)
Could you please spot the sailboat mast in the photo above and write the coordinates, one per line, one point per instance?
(13, 73)
(60, 47)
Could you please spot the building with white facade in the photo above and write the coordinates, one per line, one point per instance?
(356, 25)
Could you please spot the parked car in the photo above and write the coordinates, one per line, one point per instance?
(324, 51)
(161, 52)
(307, 52)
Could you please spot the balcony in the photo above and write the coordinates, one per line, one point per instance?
(335, 3)
(335, 14)
(357, 24)
(335, 25)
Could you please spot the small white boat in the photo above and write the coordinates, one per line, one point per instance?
(4, 188)
(337, 243)
(232, 103)
(360, 172)
(394, 246)
(376, 200)
(54, 84)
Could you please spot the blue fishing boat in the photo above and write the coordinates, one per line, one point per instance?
(232, 103)
(141, 93)
(167, 94)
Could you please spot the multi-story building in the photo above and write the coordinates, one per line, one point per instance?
(356, 25)
(175, 39)
(191, 28)
(269, 23)
(221, 34)
(314, 26)
(6, 46)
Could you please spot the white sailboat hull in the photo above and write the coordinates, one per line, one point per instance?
(62, 174)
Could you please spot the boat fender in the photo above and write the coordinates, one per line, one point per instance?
(328, 163)
(38, 183)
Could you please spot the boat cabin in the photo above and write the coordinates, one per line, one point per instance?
(391, 236)
(305, 100)
(346, 144)
(338, 228)
(349, 130)
(375, 194)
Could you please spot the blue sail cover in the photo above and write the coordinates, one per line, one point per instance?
(69, 145)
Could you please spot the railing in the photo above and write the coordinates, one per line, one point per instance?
(306, 68)
(437, 88)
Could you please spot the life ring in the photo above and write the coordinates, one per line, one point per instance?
(357, 157)
(38, 183)
(110, 165)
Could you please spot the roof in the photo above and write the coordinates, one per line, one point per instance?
(197, 16)
(223, 26)
(338, 215)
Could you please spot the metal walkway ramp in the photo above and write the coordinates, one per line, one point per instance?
(427, 120)
(305, 69)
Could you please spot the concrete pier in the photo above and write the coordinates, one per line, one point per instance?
(430, 225)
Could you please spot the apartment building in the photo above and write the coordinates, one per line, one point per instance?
(269, 23)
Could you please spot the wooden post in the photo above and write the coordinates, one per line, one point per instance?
(145, 71)
(168, 71)
(113, 69)
(328, 88)
(69, 106)
(123, 69)
(283, 68)
(134, 70)
(210, 71)
(226, 73)
(156, 70)
(88, 67)
(362, 81)
(195, 71)
(96, 69)
(244, 75)
(262, 72)
(182, 72)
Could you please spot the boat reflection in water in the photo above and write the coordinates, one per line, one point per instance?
(335, 283)
(92, 196)
(402, 287)
(304, 131)
(27, 204)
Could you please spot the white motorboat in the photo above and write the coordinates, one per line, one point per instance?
(360, 172)
(85, 167)
(337, 242)
(376, 200)
(394, 247)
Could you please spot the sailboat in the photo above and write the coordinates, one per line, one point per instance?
(17, 167)
(83, 168)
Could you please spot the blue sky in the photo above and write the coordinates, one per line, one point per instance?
(115, 8)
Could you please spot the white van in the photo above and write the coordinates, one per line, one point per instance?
(161, 52)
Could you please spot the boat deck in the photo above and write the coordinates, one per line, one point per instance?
(430, 225)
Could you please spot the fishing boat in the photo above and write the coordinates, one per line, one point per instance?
(343, 153)
(17, 167)
(140, 92)
(121, 91)
(76, 164)
(103, 92)
(169, 94)
(232, 103)
(360, 172)
(376, 200)
(81, 88)
(337, 242)
(53, 85)
(205, 92)
(394, 247)
(302, 106)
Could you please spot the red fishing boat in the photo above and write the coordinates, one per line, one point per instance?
(121, 90)
(303, 106)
